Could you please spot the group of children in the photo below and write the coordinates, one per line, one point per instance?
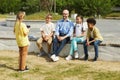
(48, 33)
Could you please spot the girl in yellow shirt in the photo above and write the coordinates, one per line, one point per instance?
(21, 33)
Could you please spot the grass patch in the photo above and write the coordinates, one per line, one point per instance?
(109, 75)
(40, 69)
(3, 16)
(113, 15)
(6, 58)
(41, 16)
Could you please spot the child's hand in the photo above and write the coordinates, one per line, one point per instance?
(74, 35)
(47, 37)
(87, 43)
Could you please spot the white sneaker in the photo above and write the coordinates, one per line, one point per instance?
(56, 59)
(53, 56)
(69, 57)
(76, 55)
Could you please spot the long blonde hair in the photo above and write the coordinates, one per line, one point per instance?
(19, 18)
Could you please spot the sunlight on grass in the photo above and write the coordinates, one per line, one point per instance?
(41, 16)
(6, 58)
(114, 14)
(3, 15)
(40, 69)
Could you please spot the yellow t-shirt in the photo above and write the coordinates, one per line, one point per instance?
(21, 38)
(95, 33)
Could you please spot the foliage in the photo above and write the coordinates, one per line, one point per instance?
(86, 7)
(83, 7)
(7, 6)
(30, 6)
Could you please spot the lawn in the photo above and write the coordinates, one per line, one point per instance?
(41, 16)
(113, 15)
(34, 16)
(3, 16)
(41, 68)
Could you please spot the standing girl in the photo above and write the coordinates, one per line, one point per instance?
(21, 33)
(78, 36)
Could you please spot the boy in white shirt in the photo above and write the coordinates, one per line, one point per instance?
(47, 31)
(78, 36)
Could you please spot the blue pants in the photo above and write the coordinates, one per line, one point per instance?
(96, 43)
(74, 42)
(58, 45)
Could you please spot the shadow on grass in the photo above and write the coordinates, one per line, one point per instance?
(8, 67)
(46, 56)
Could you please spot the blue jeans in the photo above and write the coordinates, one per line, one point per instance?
(58, 45)
(74, 42)
(96, 43)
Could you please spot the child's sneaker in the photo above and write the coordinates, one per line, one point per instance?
(69, 57)
(53, 57)
(76, 55)
(41, 53)
(56, 59)
(25, 70)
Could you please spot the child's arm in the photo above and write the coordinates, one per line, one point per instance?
(92, 41)
(43, 34)
(25, 30)
(83, 34)
(52, 33)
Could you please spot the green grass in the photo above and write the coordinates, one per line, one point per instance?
(114, 14)
(6, 58)
(3, 16)
(35, 16)
(41, 16)
(40, 69)
(66, 71)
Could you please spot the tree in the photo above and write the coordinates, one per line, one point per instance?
(47, 5)
(30, 6)
(64, 4)
(92, 7)
(7, 6)
(83, 7)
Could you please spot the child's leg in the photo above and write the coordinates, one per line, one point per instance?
(39, 43)
(85, 49)
(23, 55)
(55, 44)
(20, 57)
(71, 48)
(75, 41)
(96, 43)
(49, 43)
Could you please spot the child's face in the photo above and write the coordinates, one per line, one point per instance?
(90, 25)
(48, 19)
(78, 20)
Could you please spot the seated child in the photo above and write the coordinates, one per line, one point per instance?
(47, 31)
(93, 37)
(78, 36)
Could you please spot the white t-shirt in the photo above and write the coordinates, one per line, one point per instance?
(79, 28)
(47, 28)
